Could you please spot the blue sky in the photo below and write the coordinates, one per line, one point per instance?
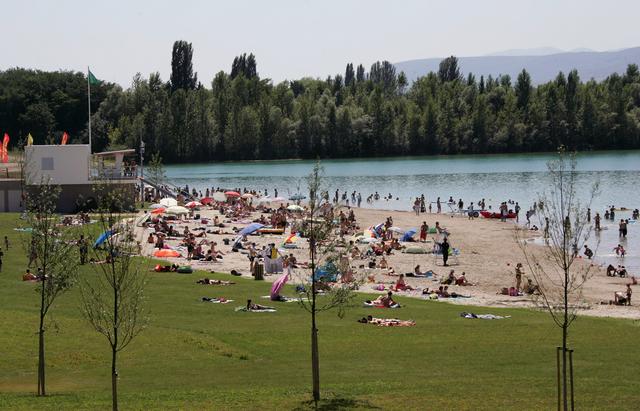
(299, 38)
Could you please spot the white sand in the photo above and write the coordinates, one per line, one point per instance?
(489, 253)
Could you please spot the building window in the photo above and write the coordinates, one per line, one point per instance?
(47, 163)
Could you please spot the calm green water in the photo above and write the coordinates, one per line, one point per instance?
(496, 178)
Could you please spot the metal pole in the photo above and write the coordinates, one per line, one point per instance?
(89, 103)
(558, 373)
(571, 376)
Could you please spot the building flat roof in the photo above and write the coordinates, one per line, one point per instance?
(113, 153)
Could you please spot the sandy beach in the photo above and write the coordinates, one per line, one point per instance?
(488, 255)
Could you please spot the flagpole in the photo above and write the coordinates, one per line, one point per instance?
(89, 103)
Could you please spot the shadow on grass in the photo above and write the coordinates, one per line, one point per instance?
(333, 404)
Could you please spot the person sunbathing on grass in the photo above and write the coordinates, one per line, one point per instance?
(387, 322)
(401, 285)
(251, 306)
(210, 281)
(384, 300)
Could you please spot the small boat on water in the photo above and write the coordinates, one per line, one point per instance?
(489, 214)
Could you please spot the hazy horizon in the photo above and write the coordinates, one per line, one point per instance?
(293, 39)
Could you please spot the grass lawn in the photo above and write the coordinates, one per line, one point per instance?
(198, 355)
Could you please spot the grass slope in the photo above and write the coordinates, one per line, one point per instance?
(198, 355)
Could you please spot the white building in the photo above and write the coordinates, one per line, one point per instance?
(75, 170)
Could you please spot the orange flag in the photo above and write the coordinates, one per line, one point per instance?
(65, 138)
(5, 148)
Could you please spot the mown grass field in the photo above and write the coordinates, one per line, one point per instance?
(198, 355)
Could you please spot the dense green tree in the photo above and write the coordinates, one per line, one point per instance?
(449, 70)
(182, 75)
(241, 116)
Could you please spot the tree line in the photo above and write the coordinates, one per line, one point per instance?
(241, 116)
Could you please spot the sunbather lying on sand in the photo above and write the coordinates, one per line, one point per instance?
(386, 322)
(400, 285)
(210, 281)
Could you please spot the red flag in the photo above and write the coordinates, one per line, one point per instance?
(65, 137)
(5, 148)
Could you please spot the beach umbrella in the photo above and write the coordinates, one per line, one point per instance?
(251, 228)
(278, 199)
(176, 210)
(193, 204)
(169, 202)
(231, 194)
(297, 197)
(291, 239)
(397, 230)
(206, 200)
(166, 253)
(277, 286)
(409, 234)
(295, 207)
(155, 206)
(247, 195)
(158, 210)
(265, 199)
(103, 237)
(219, 196)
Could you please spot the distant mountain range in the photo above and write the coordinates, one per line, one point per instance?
(543, 64)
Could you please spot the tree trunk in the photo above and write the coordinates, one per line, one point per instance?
(41, 384)
(41, 364)
(114, 380)
(564, 369)
(315, 359)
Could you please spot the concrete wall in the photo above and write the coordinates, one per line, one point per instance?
(64, 165)
(74, 197)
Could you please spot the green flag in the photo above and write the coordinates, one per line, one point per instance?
(93, 79)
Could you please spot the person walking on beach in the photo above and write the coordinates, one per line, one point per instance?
(424, 230)
(546, 227)
(517, 210)
(597, 221)
(445, 251)
(438, 206)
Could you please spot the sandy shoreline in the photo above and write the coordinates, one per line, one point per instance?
(488, 254)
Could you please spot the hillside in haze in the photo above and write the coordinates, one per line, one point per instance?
(597, 65)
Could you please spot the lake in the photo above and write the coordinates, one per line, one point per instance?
(496, 178)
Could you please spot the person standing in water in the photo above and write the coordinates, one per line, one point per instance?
(596, 219)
